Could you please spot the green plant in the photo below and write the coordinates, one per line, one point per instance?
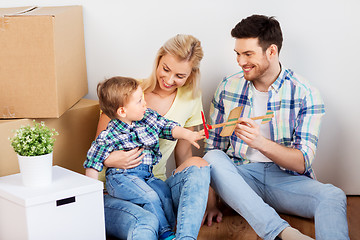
(33, 140)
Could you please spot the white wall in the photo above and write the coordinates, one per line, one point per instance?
(321, 42)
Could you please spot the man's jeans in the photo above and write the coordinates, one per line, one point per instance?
(189, 191)
(256, 190)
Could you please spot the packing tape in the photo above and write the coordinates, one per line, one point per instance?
(4, 18)
(3, 23)
(8, 112)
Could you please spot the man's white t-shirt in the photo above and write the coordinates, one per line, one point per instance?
(260, 100)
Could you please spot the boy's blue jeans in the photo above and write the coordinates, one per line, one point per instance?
(138, 185)
(256, 190)
(189, 190)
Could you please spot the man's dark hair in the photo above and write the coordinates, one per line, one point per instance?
(266, 29)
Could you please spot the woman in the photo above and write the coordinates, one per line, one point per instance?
(172, 91)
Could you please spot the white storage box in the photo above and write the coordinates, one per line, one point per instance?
(70, 208)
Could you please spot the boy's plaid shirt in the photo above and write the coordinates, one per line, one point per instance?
(298, 109)
(121, 136)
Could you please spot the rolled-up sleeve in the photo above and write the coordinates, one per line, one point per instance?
(308, 125)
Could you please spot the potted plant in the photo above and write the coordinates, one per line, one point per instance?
(34, 147)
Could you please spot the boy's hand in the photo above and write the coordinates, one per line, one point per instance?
(195, 136)
(186, 134)
(90, 172)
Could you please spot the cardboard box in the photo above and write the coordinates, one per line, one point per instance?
(43, 67)
(70, 208)
(76, 127)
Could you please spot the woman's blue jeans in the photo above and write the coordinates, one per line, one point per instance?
(257, 190)
(189, 191)
(138, 185)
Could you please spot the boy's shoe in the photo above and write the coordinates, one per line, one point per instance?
(171, 237)
(167, 236)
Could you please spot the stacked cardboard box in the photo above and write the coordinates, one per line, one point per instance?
(43, 77)
(43, 68)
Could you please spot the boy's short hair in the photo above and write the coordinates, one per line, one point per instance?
(115, 92)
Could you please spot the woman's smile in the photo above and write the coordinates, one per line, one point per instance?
(167, 85)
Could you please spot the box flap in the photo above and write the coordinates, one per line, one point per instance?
(65, 184)
(34, 11)
(49, 11)
(15, 10)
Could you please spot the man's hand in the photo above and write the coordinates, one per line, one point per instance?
(249, 132)
(287, 157)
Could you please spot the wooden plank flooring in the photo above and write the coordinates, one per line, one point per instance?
(234, 227)
(353, 207)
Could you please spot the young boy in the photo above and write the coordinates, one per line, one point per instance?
(133, 125)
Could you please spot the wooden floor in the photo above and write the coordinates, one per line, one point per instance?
(234, 227)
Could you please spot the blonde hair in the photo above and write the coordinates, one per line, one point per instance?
(185, 48)
(115, 92)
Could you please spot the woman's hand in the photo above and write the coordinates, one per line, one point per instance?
(125, 159)
(212, 212)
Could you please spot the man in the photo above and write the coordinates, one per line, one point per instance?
(263, 169)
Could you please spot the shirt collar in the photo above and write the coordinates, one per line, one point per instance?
(124, 127)
(280, 79)
(276, 85)
(120, 125)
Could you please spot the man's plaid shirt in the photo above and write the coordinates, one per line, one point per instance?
(121, 136)
(298, 109)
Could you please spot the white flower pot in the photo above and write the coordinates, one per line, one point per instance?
(36, 171)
